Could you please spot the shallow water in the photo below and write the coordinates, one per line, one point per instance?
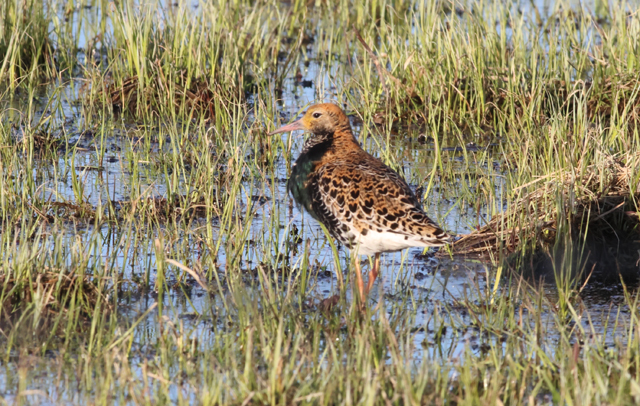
(410, 280)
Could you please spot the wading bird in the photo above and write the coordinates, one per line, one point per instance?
(363, 203)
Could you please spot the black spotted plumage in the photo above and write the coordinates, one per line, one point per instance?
(364, 204)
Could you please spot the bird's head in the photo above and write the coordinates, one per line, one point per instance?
(321, 120)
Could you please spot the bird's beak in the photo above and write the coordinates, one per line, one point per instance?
(296, 125)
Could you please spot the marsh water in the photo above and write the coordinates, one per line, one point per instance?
(414, 280)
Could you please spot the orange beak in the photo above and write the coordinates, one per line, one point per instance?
(296, 125)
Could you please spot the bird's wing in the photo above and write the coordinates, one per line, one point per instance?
(369, 196)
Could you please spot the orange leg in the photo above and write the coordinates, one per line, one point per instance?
(359, 280)
(373, 274)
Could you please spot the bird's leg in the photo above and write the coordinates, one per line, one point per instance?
(359, 280)
(374, 273)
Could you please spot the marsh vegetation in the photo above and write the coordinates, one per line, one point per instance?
(151, 254)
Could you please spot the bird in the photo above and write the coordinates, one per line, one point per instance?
(364, 204)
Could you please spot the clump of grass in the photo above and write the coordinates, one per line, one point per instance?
(200, 99)
(532, 72)
(45, 142)
(154, 70)
(43, 295)
(55, 288)
(161, 209)
(616, 96)
(580, 199)
(51, 211)
(25, 45)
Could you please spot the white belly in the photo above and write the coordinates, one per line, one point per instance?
(375, 242)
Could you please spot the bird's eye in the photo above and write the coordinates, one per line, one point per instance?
(316, 115)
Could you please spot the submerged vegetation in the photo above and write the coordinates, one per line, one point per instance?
(150, 253)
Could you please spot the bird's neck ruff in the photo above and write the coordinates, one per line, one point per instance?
(335, 140)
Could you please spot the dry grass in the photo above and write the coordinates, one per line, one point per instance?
(48, 296)
(196, 97)
(589, 196)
